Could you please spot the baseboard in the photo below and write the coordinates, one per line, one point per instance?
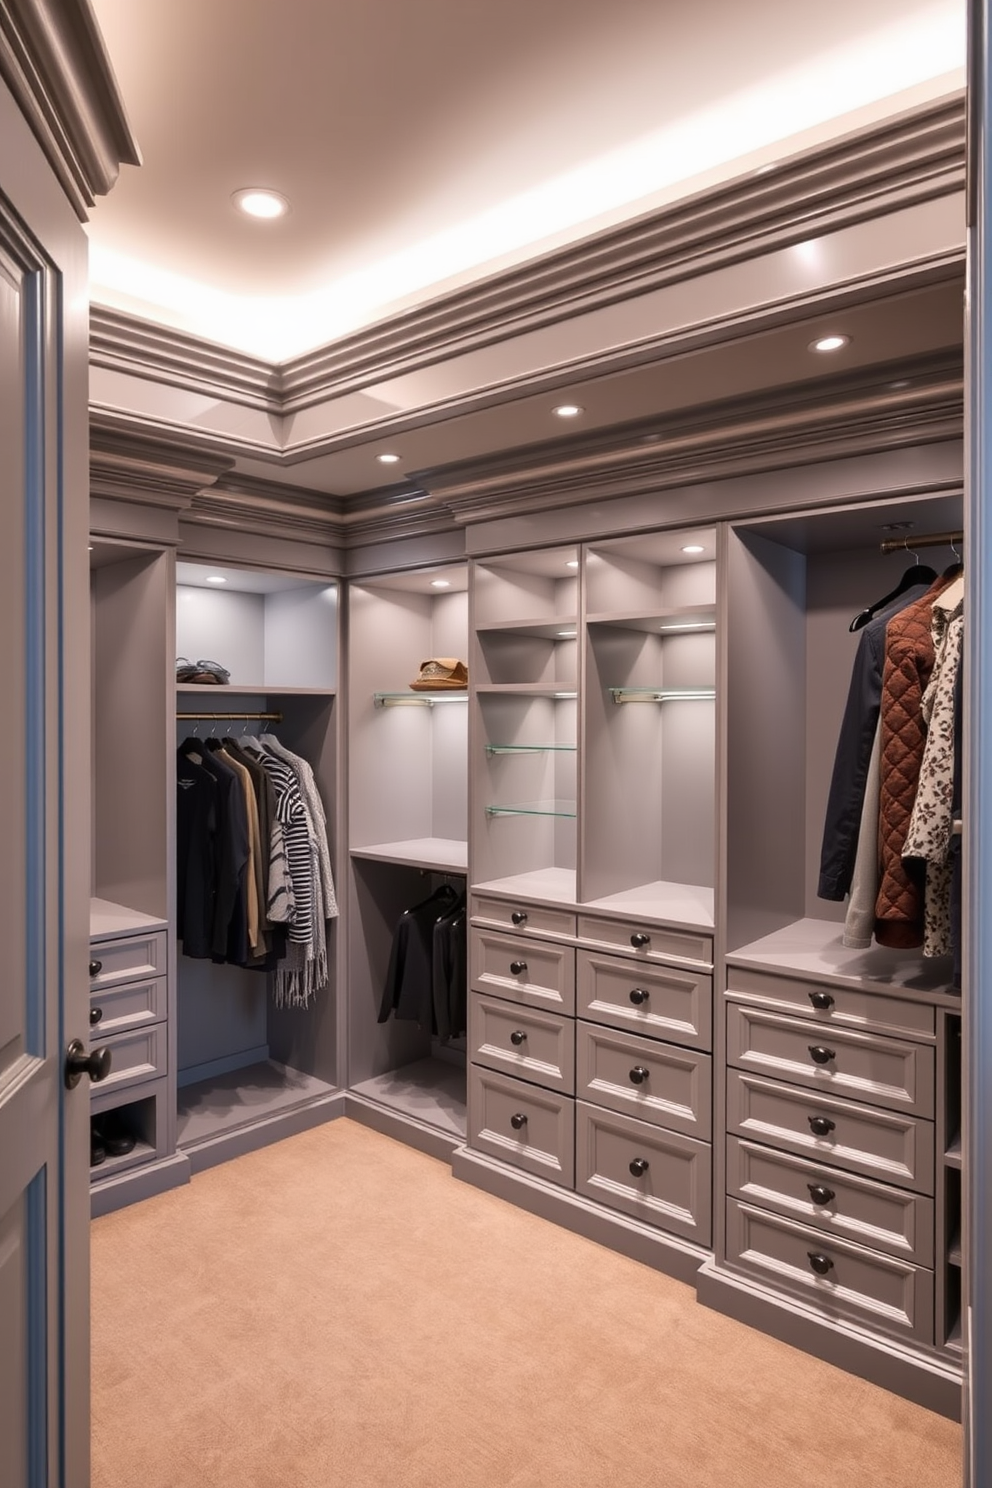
(910, 1372)
(237, 1141)
(139, 1183)
(401, 1126)
(662, 1252)
(194, 1073)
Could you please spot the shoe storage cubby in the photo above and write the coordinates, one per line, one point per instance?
(525, 680)
(649, 726)
(408, 829)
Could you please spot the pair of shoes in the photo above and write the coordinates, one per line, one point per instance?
(109, 1137)
(98, 1152)
(208, 672)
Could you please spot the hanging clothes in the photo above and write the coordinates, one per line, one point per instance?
(410, 977)
(450, 972)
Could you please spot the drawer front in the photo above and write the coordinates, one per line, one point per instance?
(655, 1082)
(533, 1129)
(890, 1145)
(668, 1004)
(523, 918)
(647, 942)
(132, 1005)
(657, 1176)
(840, 1204)
(845, 1007)
(129, 960)
(863, 1066)
(523, 1041)
(531, 972)
(137, 1056)
(844, 1280)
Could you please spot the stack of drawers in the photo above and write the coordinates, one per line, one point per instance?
(830, 1147)
(129, 1016)
(589, 1042)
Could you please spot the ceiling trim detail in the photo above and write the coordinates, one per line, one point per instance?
(731, 440)
(912, 158)
(130, 467)
(54, 62)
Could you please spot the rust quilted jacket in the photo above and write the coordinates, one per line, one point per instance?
(909, 660)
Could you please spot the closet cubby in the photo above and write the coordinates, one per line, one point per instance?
(525, 737)
(649, 726)
(408, 828)
(247, 1069)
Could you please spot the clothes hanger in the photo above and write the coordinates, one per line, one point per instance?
(917, 573)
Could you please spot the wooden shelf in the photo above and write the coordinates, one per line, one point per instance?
(550, 885)
(251, 689)
(685, 906)
(438, 854)
(814, 948)
(527, 689)
(546, 628)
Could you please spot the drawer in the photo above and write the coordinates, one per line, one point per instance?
(531, 1128)
(131, 1005)
(523, 918)
(865, 1066)
(846, 1007)
(657, 1176)
(890, 1145)
(655, 1082)
(840, 1204)
(523, 1041)
(647, 942)
(665, 1003)
(532, 972)
(840, 1279)
(136, 1056)
(128, 960)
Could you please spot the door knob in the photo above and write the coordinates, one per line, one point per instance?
(78, 1063)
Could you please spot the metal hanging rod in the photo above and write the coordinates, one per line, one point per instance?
(210, 717)
(909, 543)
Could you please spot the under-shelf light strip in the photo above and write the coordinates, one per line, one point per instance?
(662, 695)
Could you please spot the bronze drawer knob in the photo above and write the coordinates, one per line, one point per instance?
(517, 1037)
(821, 1000)
(518, 1121)
(96, 1013)
(820, 1194)
(639, 1166)
(638, 996)
(519, 917)
(819, 1262)
(518, 967)
(820, 1054)
(95, 968)
(821, 1126)
(638, 1074)
(638, 940)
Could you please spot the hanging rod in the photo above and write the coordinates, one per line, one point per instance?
(209, 717)
(909, 543)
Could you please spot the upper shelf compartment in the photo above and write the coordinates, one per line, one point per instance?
(271, 631)
(526, 620)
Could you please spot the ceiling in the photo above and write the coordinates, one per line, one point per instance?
(424, 144)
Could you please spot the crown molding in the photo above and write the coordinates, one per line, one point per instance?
(130, 467)
(53, 60)
(913, 157)
(743, 437)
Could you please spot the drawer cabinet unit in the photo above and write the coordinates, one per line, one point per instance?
(116, 1009)
(841, 1204)
(657, 1176)
(665, 1002)
(529, 971)
(135, 1056)
(531, 1128)
(520, 1040)
(859, 1008)
(655, 1082)
(843, 1279)
(523, 918)
(646, 942)
(866, 1066)
(128, 959)
(889, 1145)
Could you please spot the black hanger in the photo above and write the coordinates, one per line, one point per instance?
(917, 573)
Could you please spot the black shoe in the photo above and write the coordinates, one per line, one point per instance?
(117, 1140)
(98, 1152)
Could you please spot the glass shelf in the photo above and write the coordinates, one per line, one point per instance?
(417, 699)
(535, 808)
(492, 749)
(662, 694)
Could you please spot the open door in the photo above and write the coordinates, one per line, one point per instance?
(44, 787)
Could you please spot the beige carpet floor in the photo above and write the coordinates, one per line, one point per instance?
(337, 1311)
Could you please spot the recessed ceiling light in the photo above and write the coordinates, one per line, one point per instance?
(567, 410)
(572, 563)
(258, 201)
(440, 583)
(215, 579)
(388, 459)
(830, 343)
(694, 548)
